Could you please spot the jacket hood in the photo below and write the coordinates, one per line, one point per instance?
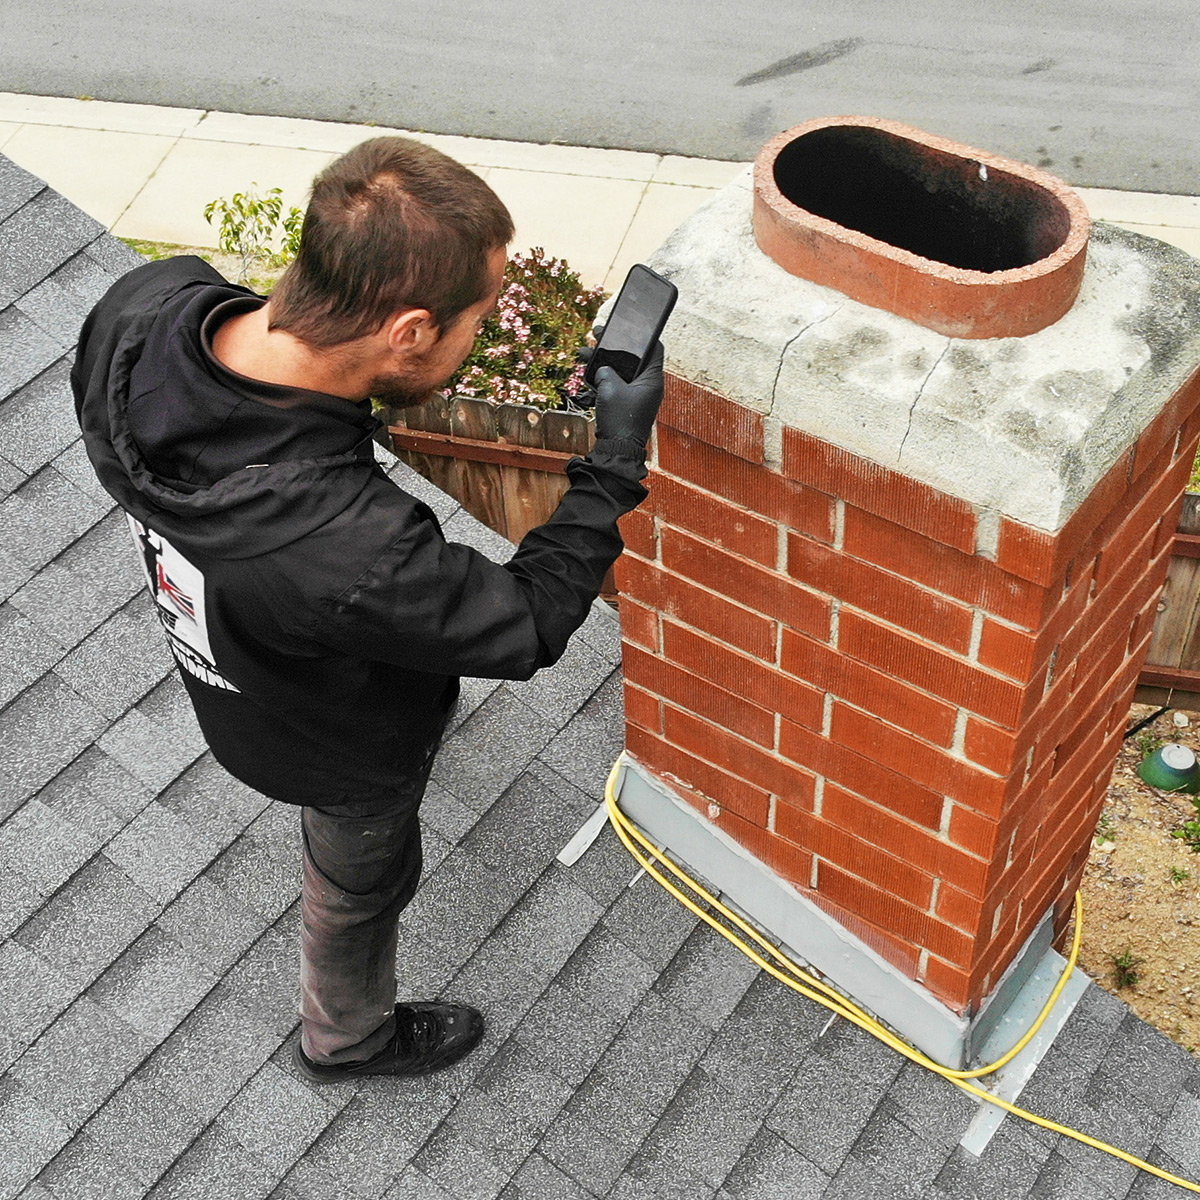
(229, 466)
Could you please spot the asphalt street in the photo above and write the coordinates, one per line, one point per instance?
(1102, 93)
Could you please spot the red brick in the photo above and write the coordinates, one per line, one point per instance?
(698, 695)
(731, 754)
(714, 519)
(973, 831)
(1012, 652)
(952, 986)
(712, 418)
(861, 858)
(1174, 415)
(876, 691)
(711, 782)
(959, 908)
(783, 857)
(756, 488)
(954, 679)
(642, 709)
(861, 774)
(992, 747)
(905, 754)
(963, 576)
(747, 677)
(1031, 553)
(693, 605)
(1083, 530)
(887, 911)
(883, 593)
(637, 531)
(910, 843)
(767, 592)
(877, 489)
(900, 952)
(639, 624)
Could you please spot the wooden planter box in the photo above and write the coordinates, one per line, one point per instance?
(505, 464)
(1172, 672)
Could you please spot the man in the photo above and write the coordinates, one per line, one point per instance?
(319, 618)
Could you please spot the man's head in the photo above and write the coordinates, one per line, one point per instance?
(403, 247)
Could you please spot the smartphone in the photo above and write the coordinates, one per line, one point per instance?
(634, 324)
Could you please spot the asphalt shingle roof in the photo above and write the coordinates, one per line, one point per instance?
(149, 923)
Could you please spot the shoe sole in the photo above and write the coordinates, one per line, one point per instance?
(341, 1074)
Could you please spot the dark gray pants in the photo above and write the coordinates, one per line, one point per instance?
(362, 864)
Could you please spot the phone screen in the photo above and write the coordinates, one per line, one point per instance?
(633, 326)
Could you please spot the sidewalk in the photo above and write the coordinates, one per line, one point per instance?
(147, 172)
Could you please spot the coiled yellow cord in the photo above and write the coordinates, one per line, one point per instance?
(807, 985)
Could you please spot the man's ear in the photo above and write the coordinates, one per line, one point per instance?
(412, 331)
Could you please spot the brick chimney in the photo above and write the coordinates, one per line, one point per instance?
(886, 606)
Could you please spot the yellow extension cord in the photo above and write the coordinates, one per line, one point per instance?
(807, 985)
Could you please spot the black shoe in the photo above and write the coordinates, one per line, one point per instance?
(428, 1037)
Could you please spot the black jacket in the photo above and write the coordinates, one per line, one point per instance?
(319, 617)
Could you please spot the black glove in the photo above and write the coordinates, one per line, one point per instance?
(627, 410)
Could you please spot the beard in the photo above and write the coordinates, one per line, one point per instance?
(407, 390)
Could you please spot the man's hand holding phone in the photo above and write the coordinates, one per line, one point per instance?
(627, 410)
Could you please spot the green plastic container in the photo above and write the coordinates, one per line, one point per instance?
(1171, 768)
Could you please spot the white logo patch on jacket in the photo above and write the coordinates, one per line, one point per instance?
(178, 590)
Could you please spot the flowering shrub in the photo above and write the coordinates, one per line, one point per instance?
(525, 353)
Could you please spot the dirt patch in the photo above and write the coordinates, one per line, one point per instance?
(1141, 890)
(261, 277)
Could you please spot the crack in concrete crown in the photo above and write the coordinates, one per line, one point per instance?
(916, 399)
(789, 344)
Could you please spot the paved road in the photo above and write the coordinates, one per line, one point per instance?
(1103, 92)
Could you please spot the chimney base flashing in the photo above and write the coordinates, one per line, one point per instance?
(846, 962)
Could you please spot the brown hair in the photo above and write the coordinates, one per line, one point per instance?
(392, 224)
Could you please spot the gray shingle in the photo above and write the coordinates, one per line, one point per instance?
(515, 1079)
(120, 662)
(87, 924)
(256, 879)
(1180, 1137)
(266, 979)
(1115, 1116)
(413, 1185)
(10, 478)
(606, 868)
(452, 1161)
(588, 745)
(213, 926)
(667, 1177)
(43, 847)
(483, 756)
(79, 1061)
(369, 1143)
(892, 1148)
(94, 778)
(770, 1169)
(933, 1105)
(157, 740)
(113, 255)
(75, 467)
(1148, 1186)
(31, 996)
(757, 1050)
(657, 1032)
(39, 236)
(276, 1118)
(153, 985)
(449, 816)
(43, 730)
(27, 351)
(443, 504)
(31, 1137)
(649, 920)
(56, 310)
(1009, 1166)
(85, 1170)
(19, 900)
(822, 1112)
(210, 1057)
(215, 1167)
(88, 581)
(144, 1128)
(464, 528)
(856, 1181)
(13, 574)
(159, 852)
(17, 186)
(601, 630)
(596, 1135)
(214, 805)
(276, 829)
(846, 1045)
(708, 976)
(1144, 1065)
(472, 693)
(70, 800)
(607, 974)
(703, 1132)
(421, 971)
(540, 1179)
(1061, 1179)
(26, 653)
(479, 1141)
(41, 519)
(37, 422)
(565, 1033)
(559, 691)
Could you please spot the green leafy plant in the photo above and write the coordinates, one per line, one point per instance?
(1180, 875)
(1148, 742)
(248, 224)
(1125, 967)
(1106, 829)
(525, 353)
(1189, 834)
